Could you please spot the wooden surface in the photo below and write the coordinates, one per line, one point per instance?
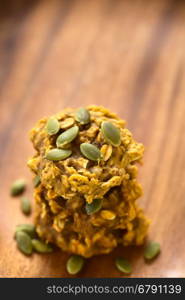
(126, 55)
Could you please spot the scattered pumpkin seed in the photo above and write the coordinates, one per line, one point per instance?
(123, 265)
(67, 136)
(106, 151)
(52, 126)
(94, 206)
(18, 187)
(152, 250)
(25, 205)
(82, 116)
(90, 151)
(27, 228)
(74, 264)
(111, 133)
(41, 247)
(58, 154)
(24, 242)
(36, 181)
(67, 123)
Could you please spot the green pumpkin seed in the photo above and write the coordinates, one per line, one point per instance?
(27, 228)
(58, 154)
(90, 151)
(123, 265)
(67, 136)
(36, 181)
(111, 133)
(82, 116)
(93, 207)
(41, 247)
(152, 250)
(24, 242)
(52, 126)
(25, 205)
(74, 264)
(18, 187)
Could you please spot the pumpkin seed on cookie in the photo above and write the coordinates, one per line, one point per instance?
(94, 206)
(36, 181)
(52, 126)
(111, 133)
(82, 116)
(90, 151)
(67, 136)
(58, 154)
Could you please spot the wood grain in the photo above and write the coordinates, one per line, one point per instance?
(126, 55)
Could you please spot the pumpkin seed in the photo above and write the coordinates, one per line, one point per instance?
(74, 264)
(24, 242)
(25, 205)
(90, 151)
(41, 247)
(36, 181)
(82, 116)
(67, 123)
(123, 265)
(94, 206)
(111, 133)
(67, 136)
(52, 126)
(58, 154)
(27, 228)
(18, 187)
(152, 250)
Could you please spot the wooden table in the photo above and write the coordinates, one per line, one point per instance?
(126, 55)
